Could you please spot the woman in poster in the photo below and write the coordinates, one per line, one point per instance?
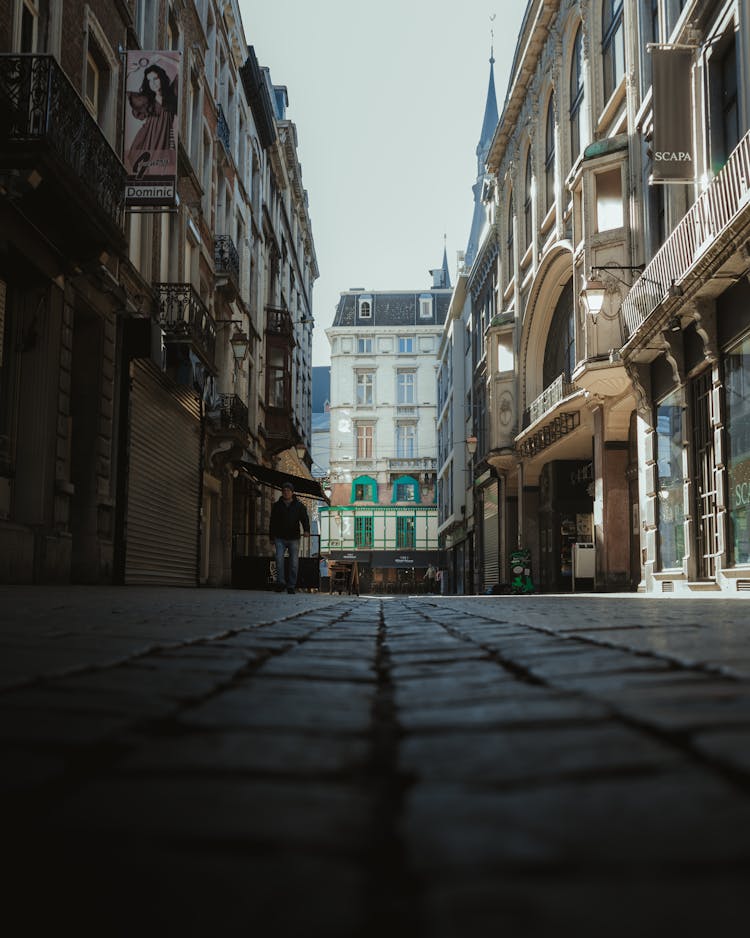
(152, 151)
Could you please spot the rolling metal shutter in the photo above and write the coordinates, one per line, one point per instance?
(163, 481)
(490, 536)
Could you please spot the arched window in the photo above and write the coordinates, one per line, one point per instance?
(613, 46)
(511, 254)
(549, 156)
(576, 96)
(527, 211)
(560, 348)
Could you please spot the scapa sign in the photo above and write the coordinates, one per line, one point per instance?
(673, 145)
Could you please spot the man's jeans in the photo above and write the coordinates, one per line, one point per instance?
(293, 547)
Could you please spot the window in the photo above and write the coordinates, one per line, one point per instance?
(405, 387)
(527, 217)
(405, 345)
(613, 46)
(670, 485)
(425, 307)
(576, 96)
(91, 87)
(406, 489)
(277, 377)
(549, 156)
(365, 384)
(365, 439)
(363, 532)
(100, 70)
(37, 28)
(609, 208)
(737, 384)
(406, 532)
(560, 349)
(406, 441)
(364, 489)
(146, 12)
(509, 247)
(364, 346)
(730, 115)
(365, 309)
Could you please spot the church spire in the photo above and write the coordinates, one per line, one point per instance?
(489, 124)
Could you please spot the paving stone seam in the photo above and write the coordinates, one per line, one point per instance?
(87, 761)
(390, 878)
(679, 740)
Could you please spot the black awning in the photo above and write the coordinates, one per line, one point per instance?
(276, 479)
(403, 560)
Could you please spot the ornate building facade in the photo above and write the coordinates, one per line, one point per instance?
(154, 360)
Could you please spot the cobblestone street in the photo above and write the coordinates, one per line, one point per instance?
(219, 763)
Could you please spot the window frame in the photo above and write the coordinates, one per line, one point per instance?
(577, 95)
(613, 40)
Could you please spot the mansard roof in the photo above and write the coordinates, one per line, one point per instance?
(397, 308)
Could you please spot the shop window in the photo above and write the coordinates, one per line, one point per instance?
(406, 526)
(737, 383)
(670, 481)
(609, 207)
(364, 533)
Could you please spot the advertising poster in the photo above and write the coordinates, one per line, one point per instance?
(151, 127)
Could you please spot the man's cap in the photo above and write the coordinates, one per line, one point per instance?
(287, 485)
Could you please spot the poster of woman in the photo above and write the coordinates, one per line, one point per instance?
(151, 114)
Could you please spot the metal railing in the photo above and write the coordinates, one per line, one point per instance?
(412, 462)
(182, 313)
(712, 213)
(233, 414)
(550, 397)
(226, 258)
(39, 103)
(279, 319)
(222, 129)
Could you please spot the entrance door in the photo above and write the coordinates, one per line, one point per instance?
(704, 476)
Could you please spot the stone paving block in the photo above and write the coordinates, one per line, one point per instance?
(300, 663)
(60, 699)
(548, 708)
(729, 745)
(288, 703)
(687, 708)
(583, 903)
(511, 757)
(327, 816)
(485, 683)
(249, 752)
(59, 728)
(674, 817)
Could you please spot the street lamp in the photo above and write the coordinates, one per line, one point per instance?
(471, 445)
(592, 296)
(300, 449)
(240, 345)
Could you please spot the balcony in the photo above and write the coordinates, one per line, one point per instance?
(222, 129)
(414, 463)
(279, 322)
(185, 319)
(226, 263)
(548, 399)
(233, 414)
(695, 244)
(55, 163)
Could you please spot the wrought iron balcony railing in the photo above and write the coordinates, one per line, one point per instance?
(222, 129)
(38, 104)
(226, 258)
(549, 398)
(183, 315)
(279, 320)
(234, 413)
(713, 212)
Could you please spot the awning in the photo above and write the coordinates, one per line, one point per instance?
(403, 560)
(276, 479)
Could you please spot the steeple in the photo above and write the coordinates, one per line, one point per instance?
(483, 148)
(441, 277)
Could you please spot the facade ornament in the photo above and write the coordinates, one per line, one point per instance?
(703, 313)
(640, 380)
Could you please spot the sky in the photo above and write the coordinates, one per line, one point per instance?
(388, 99)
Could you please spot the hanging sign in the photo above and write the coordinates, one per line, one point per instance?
(673, 145)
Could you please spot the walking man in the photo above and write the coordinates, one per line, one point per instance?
(287, 515)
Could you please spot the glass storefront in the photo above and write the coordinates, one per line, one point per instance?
(671, 492)
(737, 384)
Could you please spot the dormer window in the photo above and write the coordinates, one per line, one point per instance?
(425, 306)
(365, 307)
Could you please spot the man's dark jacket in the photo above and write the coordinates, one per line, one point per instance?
(286, 520)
